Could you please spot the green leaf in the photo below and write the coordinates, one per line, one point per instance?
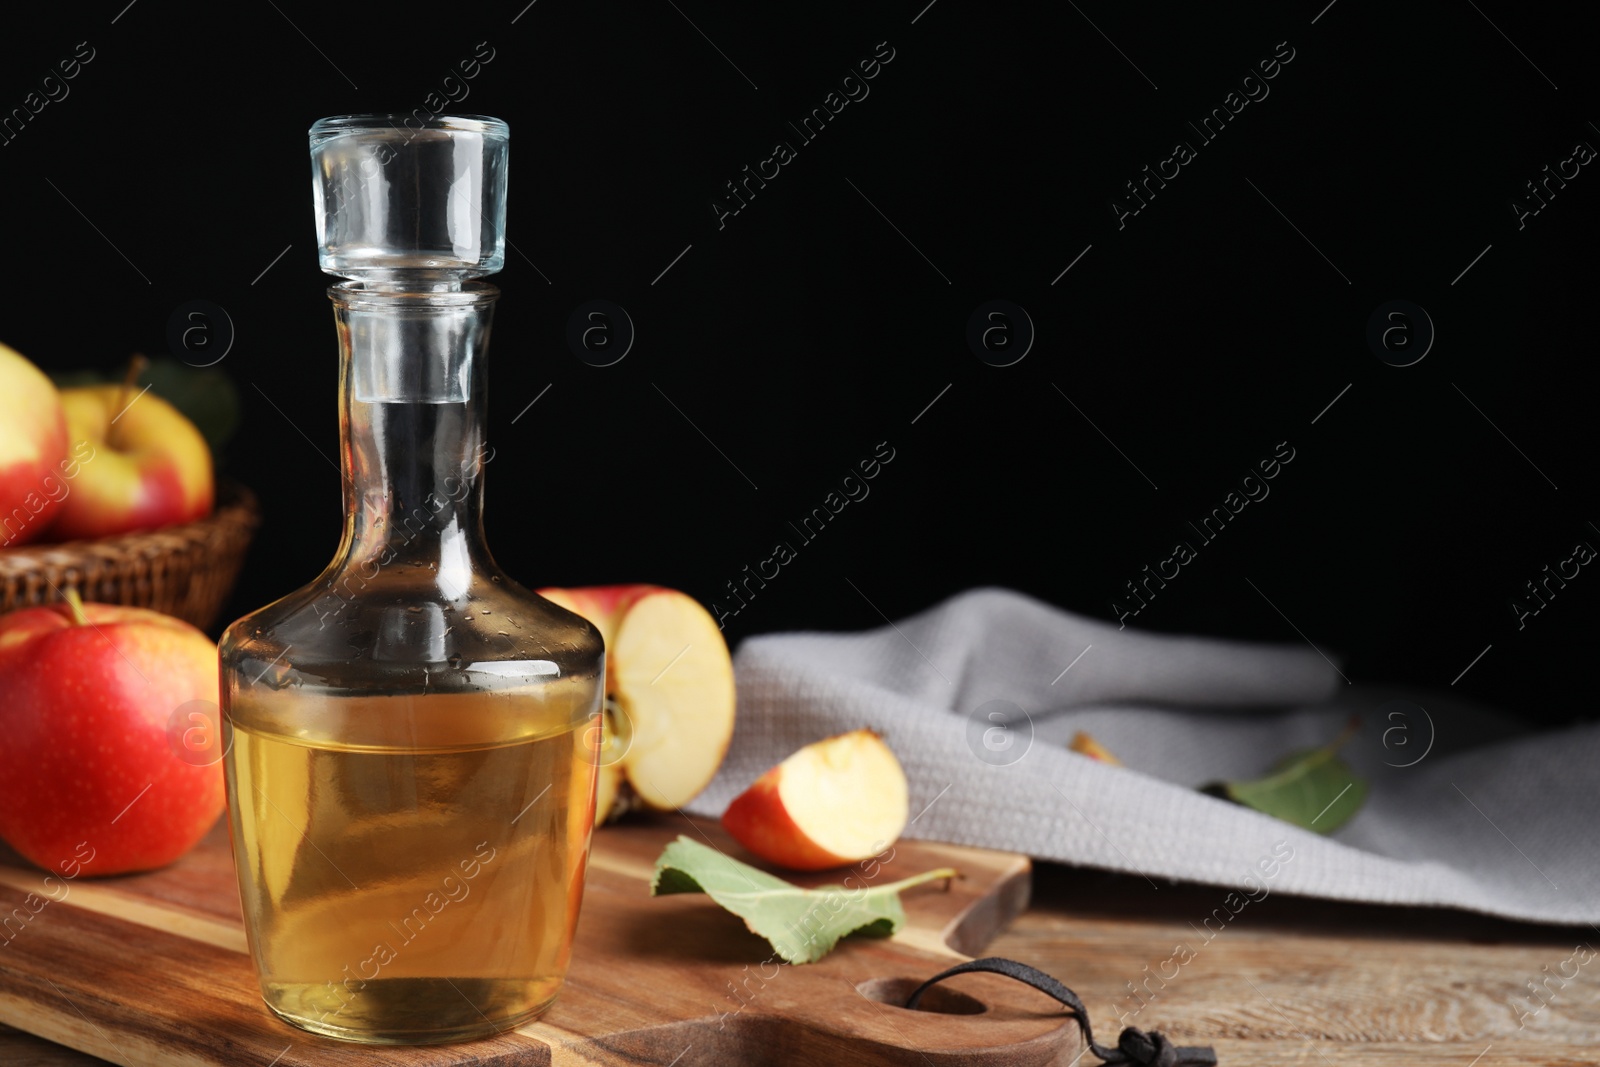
(1314, 788)
(802, 925)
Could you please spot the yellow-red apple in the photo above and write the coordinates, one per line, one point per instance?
(1085, 745)
(152, 467)
(669, 680)
(88, 698)
(833, 802)
(33, 450)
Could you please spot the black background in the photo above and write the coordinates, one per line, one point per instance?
(808, 328)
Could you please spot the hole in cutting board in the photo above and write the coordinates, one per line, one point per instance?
(940, 999)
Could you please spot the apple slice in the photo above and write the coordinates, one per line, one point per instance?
(669, 683)
(833, 802)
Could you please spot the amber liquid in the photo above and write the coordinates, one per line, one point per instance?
(411, 866)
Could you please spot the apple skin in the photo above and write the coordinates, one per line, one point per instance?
(152, 467)
(84, 711)
(33, 450)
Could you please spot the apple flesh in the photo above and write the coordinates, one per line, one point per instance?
(151, 468)
(86, 698)
(669, 681)
(834, 802)
(33, 450)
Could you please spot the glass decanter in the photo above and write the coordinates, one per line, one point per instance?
(412, 737)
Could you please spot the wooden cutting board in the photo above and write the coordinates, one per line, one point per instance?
(152, 971)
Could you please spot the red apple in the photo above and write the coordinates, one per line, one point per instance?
(33, 450)
(670, 680)
(833, 802)
(151, 467)
(87, 698)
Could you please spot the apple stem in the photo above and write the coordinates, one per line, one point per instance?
(75, 610)
(136, 367)
(946, 873)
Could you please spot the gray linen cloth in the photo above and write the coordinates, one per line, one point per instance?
(979, 695)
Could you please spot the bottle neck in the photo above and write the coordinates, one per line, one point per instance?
(412, 425)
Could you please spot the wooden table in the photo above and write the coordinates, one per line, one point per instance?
(1286, 981)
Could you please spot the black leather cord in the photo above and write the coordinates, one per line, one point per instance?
(1135, 1048)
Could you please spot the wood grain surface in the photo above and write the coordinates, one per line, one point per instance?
(1290, 981)
(1297, 981)
(151, 971)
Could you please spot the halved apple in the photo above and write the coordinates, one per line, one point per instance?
(833, 802)
(669, 684)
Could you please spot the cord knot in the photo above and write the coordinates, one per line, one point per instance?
(1139, 1049)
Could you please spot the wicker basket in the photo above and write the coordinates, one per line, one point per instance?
(185, 570)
